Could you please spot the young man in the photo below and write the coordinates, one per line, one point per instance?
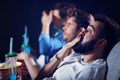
(51, 37)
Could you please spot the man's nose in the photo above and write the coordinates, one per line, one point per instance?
(64, 27)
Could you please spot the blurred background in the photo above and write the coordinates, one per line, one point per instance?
(15, 14)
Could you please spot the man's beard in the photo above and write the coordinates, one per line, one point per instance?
(84, 48)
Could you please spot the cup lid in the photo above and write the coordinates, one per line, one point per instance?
(10, 54)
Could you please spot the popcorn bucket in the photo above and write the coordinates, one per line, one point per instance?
(5, 70)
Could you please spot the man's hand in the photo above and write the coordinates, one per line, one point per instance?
(77, 39)
(23, 55)
(46, 18)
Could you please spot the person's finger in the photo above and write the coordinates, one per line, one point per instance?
(44, 13)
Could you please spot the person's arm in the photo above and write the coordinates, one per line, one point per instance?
(44, 43)
(46, 21)
(50, 68)
(32, 67)
(44, 38)
(49, 46)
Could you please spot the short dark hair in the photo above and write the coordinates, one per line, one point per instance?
(109, 31)
(81, 18)
(65, 8)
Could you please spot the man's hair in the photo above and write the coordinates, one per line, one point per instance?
(64, 8)
(109, 31)
(81, 18)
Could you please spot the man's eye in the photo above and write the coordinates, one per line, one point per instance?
(88, 31)
(68, 23)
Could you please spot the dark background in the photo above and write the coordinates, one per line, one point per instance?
(15, 14)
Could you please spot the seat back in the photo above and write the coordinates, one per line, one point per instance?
(113, 62)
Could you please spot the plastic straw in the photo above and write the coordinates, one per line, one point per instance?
(26, 29)
(12, 67)
(25, 36)
(10, 52)
(11, 44)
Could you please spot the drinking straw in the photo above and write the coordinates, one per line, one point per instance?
(11, 44)
(10, 52)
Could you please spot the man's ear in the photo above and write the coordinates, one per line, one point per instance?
(101, 43)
